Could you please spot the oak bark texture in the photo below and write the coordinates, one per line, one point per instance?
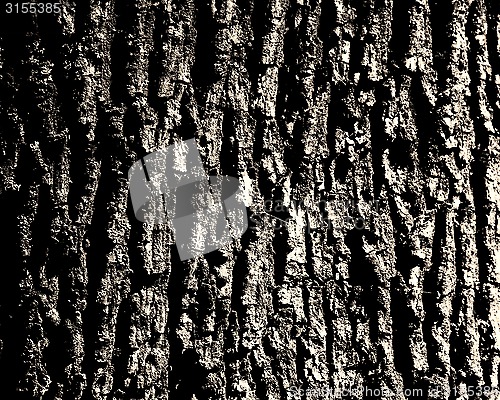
(386, 111)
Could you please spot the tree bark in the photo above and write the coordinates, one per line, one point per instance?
(370, 126)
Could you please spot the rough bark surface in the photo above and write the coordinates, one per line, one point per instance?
(372, 126)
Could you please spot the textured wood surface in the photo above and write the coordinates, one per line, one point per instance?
(371, 126)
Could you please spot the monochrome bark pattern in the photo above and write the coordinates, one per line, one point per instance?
(385, 111)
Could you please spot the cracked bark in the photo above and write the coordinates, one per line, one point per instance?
(383, 111)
